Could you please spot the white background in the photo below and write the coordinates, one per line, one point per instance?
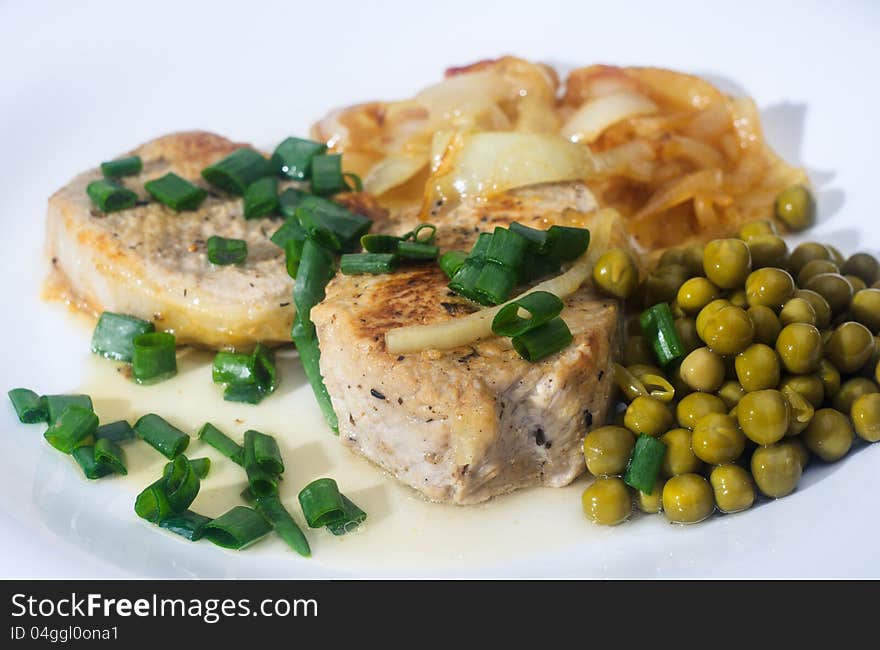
(83, 81)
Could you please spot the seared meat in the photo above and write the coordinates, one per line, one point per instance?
(464, 425)
(151, 262)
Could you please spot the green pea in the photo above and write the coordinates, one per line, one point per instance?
(717, 439)
(765, 323)
(856, 283)
(820, 307)
(607, 501)
(814, 268)
(607, 450)
(702, 370)
(695, 294)
(663, 283)
(776, 469)
(768, 250)
(759, 227)
(679, 457)
(850, 347)
(707, 312)
(810, 386)
(799, 346)
(801, 411)
(834, 288)
(795, 207)
(728, 331)
(764, 416)
(727, 262)
(865, 308)
(830, 378)
(649, 416)
(694, 406)
(863, 266)
(797, 310)
(865, 415)
(687, 332)
(731, 393)
(687, 499)
(739, 299)
(651, 503)
(757, 367)
(733, 488)
(770, 287)
(829, 435)
(616, 273)
(807, 252)
(850, 391)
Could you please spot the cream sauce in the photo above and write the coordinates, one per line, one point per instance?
(402, 530)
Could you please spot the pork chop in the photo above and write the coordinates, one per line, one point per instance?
(467, 424)
(150, 261)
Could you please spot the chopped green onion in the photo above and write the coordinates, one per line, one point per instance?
(658, 326)
(452, 261)
(322, 503)
(353, 517)
(211, 435)
(110, 454)
(380, 243)
(117, 432)
(181, 483)
(223, 251)
(357, 185)
(243, 393)
(536, 238)
(273, 510)
(262, 481)
(55, 404)
(289, 200)
(266, 452)
(233, 368)
(549, 338)
(248, 496)
(238, 170)
(291, 230)
(122, 167)
(315, 270)
(92, 468)
(238, 528)
(310, 356)
(111, 196)
(168, 440)
(534, 267)
(152, 503)
(176, 192)
(71, 428)
(201, 466)
(154, 358)
(542, 306)
(494, 284)
(331, 225)
(188, 524)
(114, 334)
(261, 197)
(465, 279)
(373, 263)
(264, 364)
(644, 464)
(417, 251)
(566, 244)
(327, 175)
(292, 255)
(417, 236)
(506, 248)
(293, 157)
(29, 407)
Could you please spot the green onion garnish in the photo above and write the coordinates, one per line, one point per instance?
(357, 185)
(374, 263)
(289, 200)
(452, 261)
(494, 284)
(658, 325)
(29, 407)
(293, 157)
(417, 234)
(322, 503)
(261, 197)
(175, 192)
(168, 440)
(122, 167)
(244, 393)
(331, 225)
(117, 432)
(181, 483)
(261, 480)
(380, 243)
(566, 244)
(327, 175)
(644, 464)
(549, 338)
(71, 428)
(114, 334)
(152, 503)
(84, 456)
(536, 238)
(273, 510)
(233, 368)
(353, 517)
(465, 279)
(310, 356)
(506, 248)
(188, 524)
(223, 251)
(542, 306)
(417, 251)
(154, 358)
(292, 255)
(315, 270)
(201, 466)
(238, 528)
(111, 196)
(266, 452)
(211, 435)
(249, 377)
(238, 170)
(290, 230)
(110, 454)
(55, 404)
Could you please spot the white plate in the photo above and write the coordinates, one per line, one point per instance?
(79, 84)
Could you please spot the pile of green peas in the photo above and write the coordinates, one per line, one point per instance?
(782, 365)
